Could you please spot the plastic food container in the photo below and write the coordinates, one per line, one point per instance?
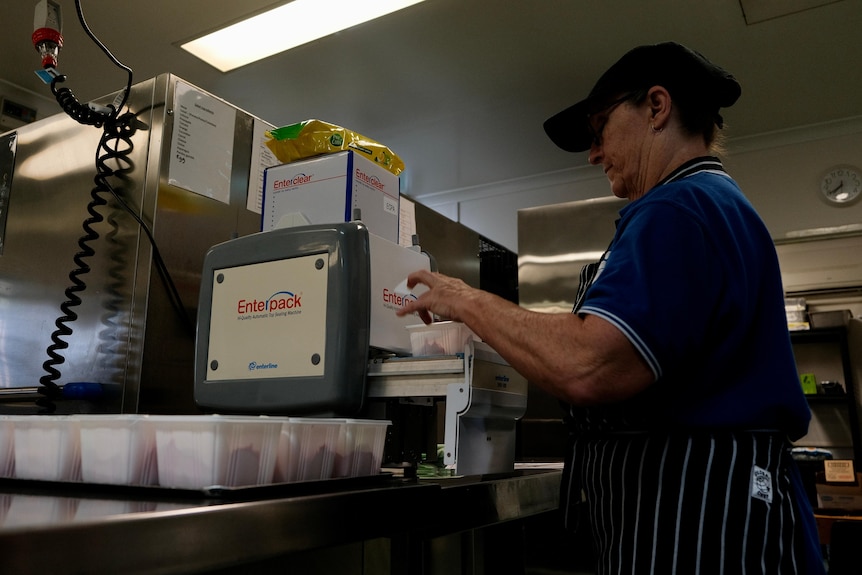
(211, 450)
(439, 338)
(47, 447)
(7, 447)
(359, 448)
(306, 449)
(118, 449)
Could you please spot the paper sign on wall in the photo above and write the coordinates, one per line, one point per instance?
(406, 222)
(202, 143)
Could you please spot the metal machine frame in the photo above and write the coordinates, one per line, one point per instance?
(484, 399)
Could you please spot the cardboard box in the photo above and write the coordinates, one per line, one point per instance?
(390, 265)
(835, 496)
(330, 189)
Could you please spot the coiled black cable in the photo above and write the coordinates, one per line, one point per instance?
(117, 130)
(81, 113)
(112, 160)
(84, 113)
(118, 106)
(49, 389)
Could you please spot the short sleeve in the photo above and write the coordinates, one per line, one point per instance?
(660, 285)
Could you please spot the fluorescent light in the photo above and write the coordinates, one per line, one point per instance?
(286, 27)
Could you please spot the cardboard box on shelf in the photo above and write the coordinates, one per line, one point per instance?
(840, 496)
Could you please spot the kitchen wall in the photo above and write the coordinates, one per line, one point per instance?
(780, 172)
(44, 105)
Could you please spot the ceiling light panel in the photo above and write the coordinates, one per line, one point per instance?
(286, 27)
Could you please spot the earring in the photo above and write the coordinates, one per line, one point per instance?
(655, 131)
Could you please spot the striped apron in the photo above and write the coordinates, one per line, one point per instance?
(685, 502)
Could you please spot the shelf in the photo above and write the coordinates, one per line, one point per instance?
(823, 398)
(818, 335)
(837, 337)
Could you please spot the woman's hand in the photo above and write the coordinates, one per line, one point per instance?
(444, 298)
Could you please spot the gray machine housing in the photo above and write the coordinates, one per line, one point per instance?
(340, 389)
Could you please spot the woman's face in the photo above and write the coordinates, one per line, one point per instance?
(618, 146)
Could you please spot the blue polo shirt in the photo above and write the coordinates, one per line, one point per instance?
(692, 279)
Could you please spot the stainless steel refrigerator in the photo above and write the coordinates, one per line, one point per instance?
(130, 335)
(824, 269)
(554, 242)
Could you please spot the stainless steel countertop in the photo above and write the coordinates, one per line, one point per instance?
(98, 530)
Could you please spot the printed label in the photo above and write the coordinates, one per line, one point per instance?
(761, 484)
(839, 471)
(390, 206)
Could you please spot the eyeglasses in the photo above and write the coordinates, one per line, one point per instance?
(602, 115)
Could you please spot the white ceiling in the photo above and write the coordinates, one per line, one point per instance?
(460, 88)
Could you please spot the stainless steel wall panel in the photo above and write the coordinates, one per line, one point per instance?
(47, 205)
(554, 242)
(128, 335)
(454, 246)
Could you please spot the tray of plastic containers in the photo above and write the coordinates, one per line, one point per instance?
(200, 451)
(306, 449)
(47, 448)
(359, 448)
(439, 338)
(118, 450)
(210, 453)
(312, 449)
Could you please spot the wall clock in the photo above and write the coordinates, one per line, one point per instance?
(841, 185)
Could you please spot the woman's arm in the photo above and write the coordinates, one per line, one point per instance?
(583, 361)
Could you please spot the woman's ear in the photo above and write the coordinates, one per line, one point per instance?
(660, 106)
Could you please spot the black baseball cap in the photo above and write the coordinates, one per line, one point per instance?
(686, 74)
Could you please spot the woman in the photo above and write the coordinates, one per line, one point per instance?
(676, 366)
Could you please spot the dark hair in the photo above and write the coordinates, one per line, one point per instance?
(696, 120)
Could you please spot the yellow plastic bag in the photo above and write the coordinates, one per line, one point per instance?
(313, 137)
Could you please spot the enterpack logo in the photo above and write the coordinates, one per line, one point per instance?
(292, 182)
(394, 300)
(279, 304)
(370, 180)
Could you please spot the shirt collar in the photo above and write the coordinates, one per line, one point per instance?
(694, 166)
